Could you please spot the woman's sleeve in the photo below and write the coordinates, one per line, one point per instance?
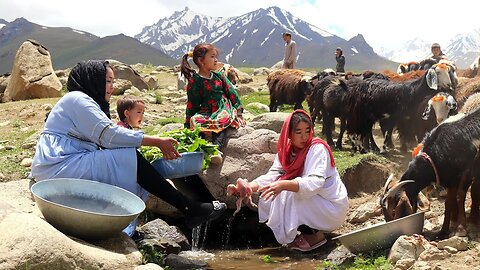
(273, 174)
(315, 168)
(193, 101)
(92, 124)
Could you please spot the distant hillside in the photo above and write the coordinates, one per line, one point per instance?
(119, 47)
(68, 46)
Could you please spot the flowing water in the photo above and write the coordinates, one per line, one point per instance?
(235, 244)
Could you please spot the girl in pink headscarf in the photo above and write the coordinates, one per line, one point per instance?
(302, 195)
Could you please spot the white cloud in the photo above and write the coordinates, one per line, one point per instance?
(383, 23)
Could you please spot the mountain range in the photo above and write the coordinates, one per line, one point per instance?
(252, 39)
(255, 39)
(462, 49)
(69, 46)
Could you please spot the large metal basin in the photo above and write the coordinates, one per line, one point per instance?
(382, 235)
(86, 209)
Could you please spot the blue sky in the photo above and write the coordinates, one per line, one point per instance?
(383, 23)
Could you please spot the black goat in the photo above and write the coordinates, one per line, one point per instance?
(394, 104)
(450, 158)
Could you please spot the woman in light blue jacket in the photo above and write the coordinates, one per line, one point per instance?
(80, 141)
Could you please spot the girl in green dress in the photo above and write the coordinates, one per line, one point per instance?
(213, 103)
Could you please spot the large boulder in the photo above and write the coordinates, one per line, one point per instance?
(261, 71)
(126, 72)
(29, 242)
(272, 120)
(32, 74)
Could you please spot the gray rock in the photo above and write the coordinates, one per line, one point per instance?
(28, 241)
(271, 120)
(179, 263)
(159, 229)
(126, 72)
(459, 243)
(363, 213)
(433, 254)
(257, 106)
(149, 266)
(404, 264)
(406, 247)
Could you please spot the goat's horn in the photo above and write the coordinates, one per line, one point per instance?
(397, 187)
(389, 179)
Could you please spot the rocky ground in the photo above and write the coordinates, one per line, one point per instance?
(21, 121)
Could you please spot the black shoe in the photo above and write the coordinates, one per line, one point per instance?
(194, 221)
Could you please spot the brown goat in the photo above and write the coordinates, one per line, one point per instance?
(288, 86)
(228, 71)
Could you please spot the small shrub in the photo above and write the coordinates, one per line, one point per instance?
(158, 98)
(267, 259)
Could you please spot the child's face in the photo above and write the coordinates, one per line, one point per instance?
(299, 136)
(134, 116)
(210, 60)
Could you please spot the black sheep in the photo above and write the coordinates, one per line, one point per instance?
(394, 104)
(449, 158)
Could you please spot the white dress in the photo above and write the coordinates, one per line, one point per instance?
(321, 202)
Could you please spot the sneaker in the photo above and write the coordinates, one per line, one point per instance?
(218, 209)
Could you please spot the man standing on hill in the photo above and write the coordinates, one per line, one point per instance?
(290, 56)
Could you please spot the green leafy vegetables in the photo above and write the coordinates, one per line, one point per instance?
(188, 141)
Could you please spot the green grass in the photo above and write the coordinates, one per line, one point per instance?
(264, 98)
(371, 261)
(346, 159)
(170, 120)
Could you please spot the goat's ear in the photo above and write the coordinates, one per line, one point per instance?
(426, 112)
(432, 79)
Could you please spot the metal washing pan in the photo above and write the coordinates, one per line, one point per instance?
(382, 235)
(86, 209)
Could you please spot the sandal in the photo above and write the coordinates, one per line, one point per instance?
(301, 244)
(218, 209)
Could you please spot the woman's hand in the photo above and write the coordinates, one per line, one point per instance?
(166, 145)
(271, 190)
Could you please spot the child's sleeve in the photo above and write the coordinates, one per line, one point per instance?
(194, 94)
(232, 94)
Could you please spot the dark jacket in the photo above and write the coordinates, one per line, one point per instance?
(340, 63)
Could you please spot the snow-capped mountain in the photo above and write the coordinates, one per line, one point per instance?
(3, 23)
(413, 50)
(181, 28)
(255, 38)
(462, 49)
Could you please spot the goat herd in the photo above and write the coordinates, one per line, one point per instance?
(430, 106)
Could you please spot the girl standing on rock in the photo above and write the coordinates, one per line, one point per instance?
(302, 195)
(213, 103)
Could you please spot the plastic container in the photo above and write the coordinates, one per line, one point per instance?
(189, 164)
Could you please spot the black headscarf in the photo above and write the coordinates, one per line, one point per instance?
(90, 78)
